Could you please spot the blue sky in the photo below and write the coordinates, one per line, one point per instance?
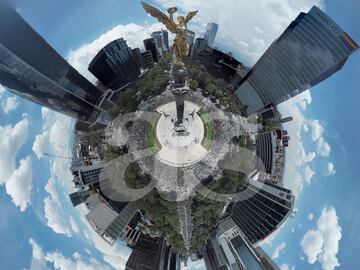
(50, 234)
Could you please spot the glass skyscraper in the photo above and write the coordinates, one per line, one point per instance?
(210, 34)
(311, 49)
(114, 65)
(32, 69)
(264, 208)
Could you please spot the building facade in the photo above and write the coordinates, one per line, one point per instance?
(32, 69)
(263, 209)
(147, 59)
(311, 49)
(199, 46)
(210, 34)
(161, 39)
(115, 66)
(230, 249)
(190, 39)
(150, 45)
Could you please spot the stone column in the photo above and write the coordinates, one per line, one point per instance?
(179, 90)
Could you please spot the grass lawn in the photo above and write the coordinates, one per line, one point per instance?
(209, 131)
(151, 139)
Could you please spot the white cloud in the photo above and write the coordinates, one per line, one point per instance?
(12, 138)
(2, 90)
(73, 225)
(310, 216)
(317, 130)
(58, 261)
(45, 112)
(322, 245)
(331, 169)
(20, 183)
(40, 143)
(10, 104)
(308, 174)
(297, 157)
(266, 19)
(323, 148)
(53, 210)
(258, 30)
(278, 250)
(133, 34)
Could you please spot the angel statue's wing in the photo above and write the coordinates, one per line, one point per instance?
(190, 15)
(162, 17)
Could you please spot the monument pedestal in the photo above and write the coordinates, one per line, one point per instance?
(179, 88)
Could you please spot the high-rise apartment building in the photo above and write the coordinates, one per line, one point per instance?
(114, 65)
(32, 69)
(150, 45)
(263, 208)
(311, 49)
(210, 34)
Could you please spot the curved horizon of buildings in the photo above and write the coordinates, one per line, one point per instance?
(309, 51)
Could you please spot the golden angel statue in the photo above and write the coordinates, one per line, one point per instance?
(180, 46)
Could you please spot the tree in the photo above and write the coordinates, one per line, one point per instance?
(193, 84)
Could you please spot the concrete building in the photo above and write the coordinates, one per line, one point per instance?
(153, 254)
(229, 249)
(86, 175)
(150, 45)
(114, 65)
(263, 208)
(210, 34)
(147, 59)
(137, 56)
(310, 50)
(32, 69)
(109, 219)
(220, 64)
(199, 46)
(270, 148)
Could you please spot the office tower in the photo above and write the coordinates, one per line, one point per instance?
(79, 197)
(230, 249)
(219, 64)
(239, 252)
(108, 219)
(147, 59)
(214, 257)
(114, 65)
(161, 41)
(137, 56)
(199, 46)
(147, 254)
(86, 175)
(150, 45)
(190, 39)
(263, 209)
(32, 69)
(165, 38)
(311, 49)
(210, 34)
